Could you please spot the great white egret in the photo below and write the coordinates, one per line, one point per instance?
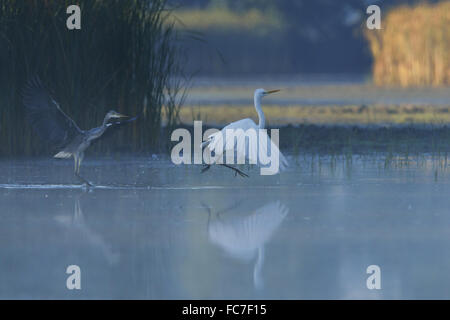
(57, 128)
(215, 142)
(244, 237)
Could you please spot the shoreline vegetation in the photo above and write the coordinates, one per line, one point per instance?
(355, 115)
(405, 141)
(124, 58)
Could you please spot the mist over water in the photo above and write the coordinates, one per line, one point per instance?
(154, 230)
(362, 106)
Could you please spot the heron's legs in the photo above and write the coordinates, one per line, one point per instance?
(83, 180)
(78, 159)
(236, 170)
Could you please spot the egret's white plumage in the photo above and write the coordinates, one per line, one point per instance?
(240, 146)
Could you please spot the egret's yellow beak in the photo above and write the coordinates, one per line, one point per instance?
(272, 91)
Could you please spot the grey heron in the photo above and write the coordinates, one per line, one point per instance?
(54, 126)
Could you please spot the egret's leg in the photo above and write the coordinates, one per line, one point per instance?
(236, 170)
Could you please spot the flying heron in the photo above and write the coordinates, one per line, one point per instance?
(57, 128)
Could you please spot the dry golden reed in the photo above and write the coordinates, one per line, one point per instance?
(412, 48)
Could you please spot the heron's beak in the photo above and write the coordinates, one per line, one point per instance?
(119, 115)
(272, 91)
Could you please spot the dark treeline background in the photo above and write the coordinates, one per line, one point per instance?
(318, 36)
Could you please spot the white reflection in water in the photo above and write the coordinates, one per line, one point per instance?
(244, 237)
(78, 226)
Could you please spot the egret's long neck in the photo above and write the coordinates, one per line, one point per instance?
(262, 118)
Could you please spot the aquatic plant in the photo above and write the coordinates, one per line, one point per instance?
(125, 57)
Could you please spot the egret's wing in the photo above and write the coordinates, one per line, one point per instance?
(45, 115)
(246, 144)
(215, 140)
(266, 220)
(218, 143)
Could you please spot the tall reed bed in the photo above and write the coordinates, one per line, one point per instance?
(413, 47)
(124, 57)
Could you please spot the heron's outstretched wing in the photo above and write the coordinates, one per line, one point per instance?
(45, 115)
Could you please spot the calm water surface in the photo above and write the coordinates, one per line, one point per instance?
(150, 230)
